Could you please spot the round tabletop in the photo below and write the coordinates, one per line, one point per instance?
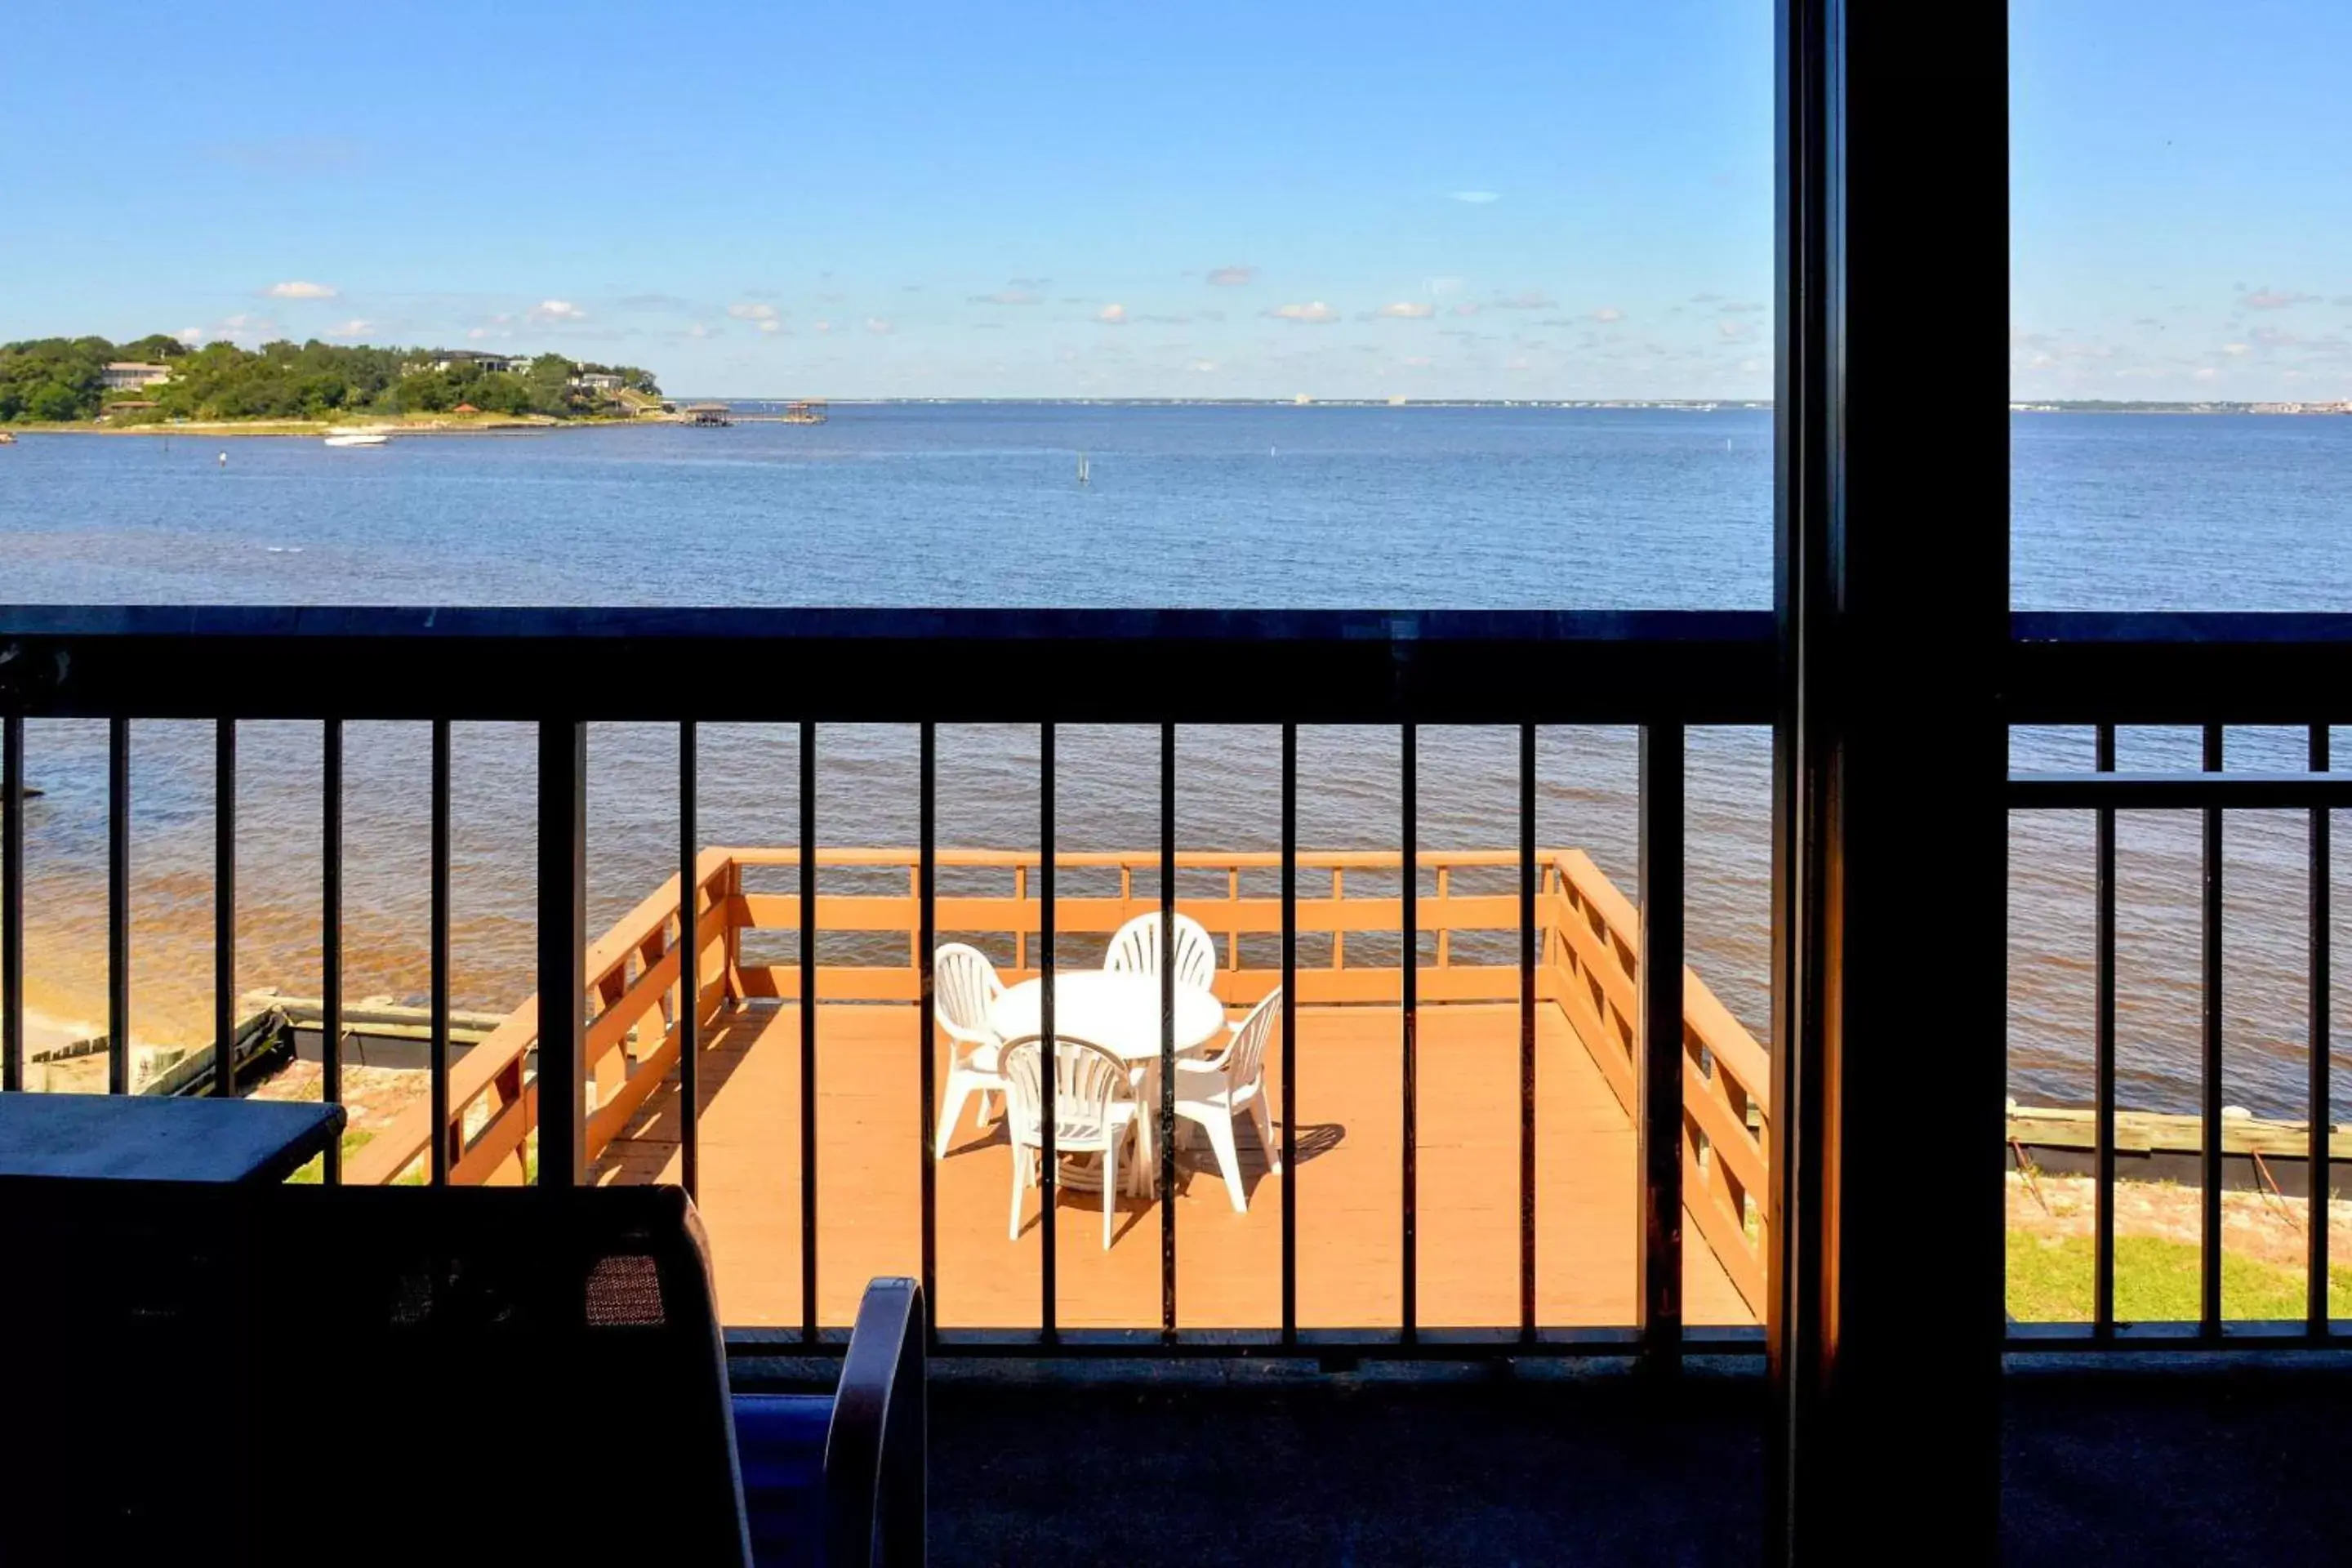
(1116, 1009)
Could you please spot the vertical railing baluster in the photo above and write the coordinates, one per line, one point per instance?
(690, 968)
(926, 893)
(2319, 1159)
(1527, 1034)
(118, 906)
(1168, 1032)
(1408, 972)
(330, 932)
(224, 909)
(808, 936)
(12, 903)
(2210, 968)
(1659, 1240)
(562, 950)
(2102, 1056)
(437, 999)
(1290, 1033)
(1048, 1314)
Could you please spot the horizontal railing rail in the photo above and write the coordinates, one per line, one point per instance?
(2178, 667)
(1502, 666)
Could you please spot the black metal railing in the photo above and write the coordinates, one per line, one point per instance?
(561, 668)
(2211, 672)
(1661, 671)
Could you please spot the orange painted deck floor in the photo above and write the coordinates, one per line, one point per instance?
(1229, 1265)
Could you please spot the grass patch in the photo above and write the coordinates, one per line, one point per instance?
(2155, 1281)
(312, 1174)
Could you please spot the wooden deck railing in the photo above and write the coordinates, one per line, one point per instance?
(1592, 942)
(1587, 960)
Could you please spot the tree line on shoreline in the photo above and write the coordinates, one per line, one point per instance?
(62, 380)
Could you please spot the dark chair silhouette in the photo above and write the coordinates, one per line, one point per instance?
(210, 1375)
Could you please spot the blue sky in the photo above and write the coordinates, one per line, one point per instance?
(2182, 199)
(1543, 200)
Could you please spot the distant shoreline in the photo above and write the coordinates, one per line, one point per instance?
(427, 426)
(1575, 405)
(508, 424)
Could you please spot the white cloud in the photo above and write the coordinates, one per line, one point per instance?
(1527, 299)
(1416, 361)
(1735, 331)
(1232, 276)
(1112, 315)
(2205, 373)
(556, 311)
(1466, 309)
(299, 290)
(878, 327)
(824, 326)
(699, 329)
(1205, 366)
(190, 335)
(767, 317)
(355, 327)
(1477, 198)
(1313, 313)
(1406, 310)
(2236, 350)
(1005, 296)
(245, 325)
(1607, 314)
(2269, 299)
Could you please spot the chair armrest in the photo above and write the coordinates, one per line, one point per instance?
(876, 1453)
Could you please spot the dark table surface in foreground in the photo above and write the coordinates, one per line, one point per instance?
(133, 1138)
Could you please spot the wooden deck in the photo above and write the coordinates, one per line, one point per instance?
(1349, 1180)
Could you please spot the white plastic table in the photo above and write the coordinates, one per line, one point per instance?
(1119, 1011)
(1116, 1009)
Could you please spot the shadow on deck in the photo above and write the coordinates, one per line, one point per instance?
(1228, 1271)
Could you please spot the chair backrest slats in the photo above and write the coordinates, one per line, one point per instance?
(1135, 949)
(965, 984)
(1246, 1058)
(1087, 1081)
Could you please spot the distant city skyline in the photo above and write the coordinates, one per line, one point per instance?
(1519, 201)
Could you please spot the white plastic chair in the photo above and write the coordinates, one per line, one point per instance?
(1211, 1093)
(964, 985)
(1135, 950)
(1095, 1112)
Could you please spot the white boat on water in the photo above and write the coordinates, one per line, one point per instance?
(358, 439)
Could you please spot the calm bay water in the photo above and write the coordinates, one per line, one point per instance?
(977, 505)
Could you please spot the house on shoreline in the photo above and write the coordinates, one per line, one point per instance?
(134, 375)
